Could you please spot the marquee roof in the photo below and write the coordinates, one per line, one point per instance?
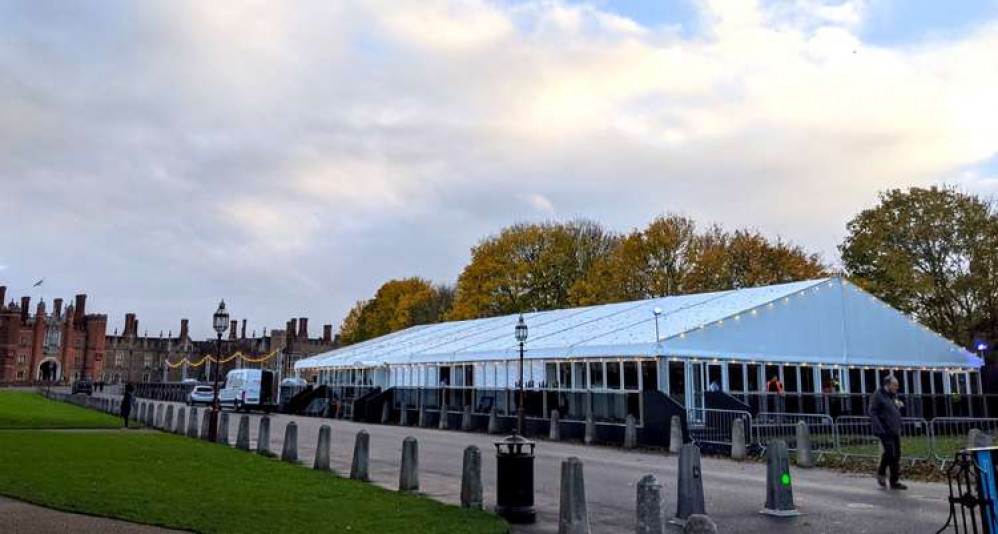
(824, 321)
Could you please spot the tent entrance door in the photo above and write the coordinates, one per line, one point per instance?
(697, 373)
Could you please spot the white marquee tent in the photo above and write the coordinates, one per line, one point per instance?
(820, 322)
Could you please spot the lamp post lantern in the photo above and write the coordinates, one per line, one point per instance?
(220, 321)
(521, 337)
(980, 347)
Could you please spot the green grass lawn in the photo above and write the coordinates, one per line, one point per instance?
(30, 410)
(181, 483)
(176, 482)
(911, 447)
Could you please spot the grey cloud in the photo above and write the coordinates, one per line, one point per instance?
(163, 155)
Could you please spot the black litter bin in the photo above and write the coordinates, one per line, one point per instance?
(515, 479)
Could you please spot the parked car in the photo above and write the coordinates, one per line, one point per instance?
(84, 387)
(248, 389)
(201, 395)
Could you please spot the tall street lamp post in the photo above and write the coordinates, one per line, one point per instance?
(521, 337)
(657, 311)
(220, 321)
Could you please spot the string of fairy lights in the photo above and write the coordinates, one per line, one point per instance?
(227, 359)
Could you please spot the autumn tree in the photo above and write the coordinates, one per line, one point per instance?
(398, 304)
(646, 263)
(932, 253)
(528, 267)
(670, 257)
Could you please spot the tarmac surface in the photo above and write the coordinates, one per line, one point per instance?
(830, 502)
(18, 517)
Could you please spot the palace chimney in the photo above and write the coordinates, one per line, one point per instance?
(25, 303)
(327, 333)
(183, 329)
(3, 296)
(244, 329)
(233, 324)
(130, 327)
(303, 328)
(56, 306)
(81, 308)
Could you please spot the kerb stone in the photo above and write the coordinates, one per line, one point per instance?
(467, 423)
(471, 478)
(738, 451)
(263, 437)
(630, 432)
(243, 434)
(409, 470)
(361, 455)
(649, 511)
(573, 517)
(192, 423)
(289, 453)
(699, 524)
(675, 435)
(322, 449)
(689, 492)
(803, 445)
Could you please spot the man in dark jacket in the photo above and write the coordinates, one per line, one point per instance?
(885, 418)
(126, 404)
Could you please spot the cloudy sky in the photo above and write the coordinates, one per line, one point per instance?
(292, 156)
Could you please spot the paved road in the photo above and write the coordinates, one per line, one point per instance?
(18, 517)
(831, 502)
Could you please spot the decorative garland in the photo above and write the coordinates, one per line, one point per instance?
(228, 359)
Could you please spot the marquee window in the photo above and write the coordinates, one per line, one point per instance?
(613, 375)
(631, 375)
(596, 375)
(565, 375)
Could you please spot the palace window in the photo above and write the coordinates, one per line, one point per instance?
(21, 358)
(20, 375)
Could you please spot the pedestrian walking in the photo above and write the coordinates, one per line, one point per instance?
(885, 418)
(126, 404)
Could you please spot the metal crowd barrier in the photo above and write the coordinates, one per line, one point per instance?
(856, 438)
(949, 434)
(713, 426)
(770, 426)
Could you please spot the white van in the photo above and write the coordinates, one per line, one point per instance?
(248, 389)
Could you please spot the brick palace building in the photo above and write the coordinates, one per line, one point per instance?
(60, 346)
(65, 345)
